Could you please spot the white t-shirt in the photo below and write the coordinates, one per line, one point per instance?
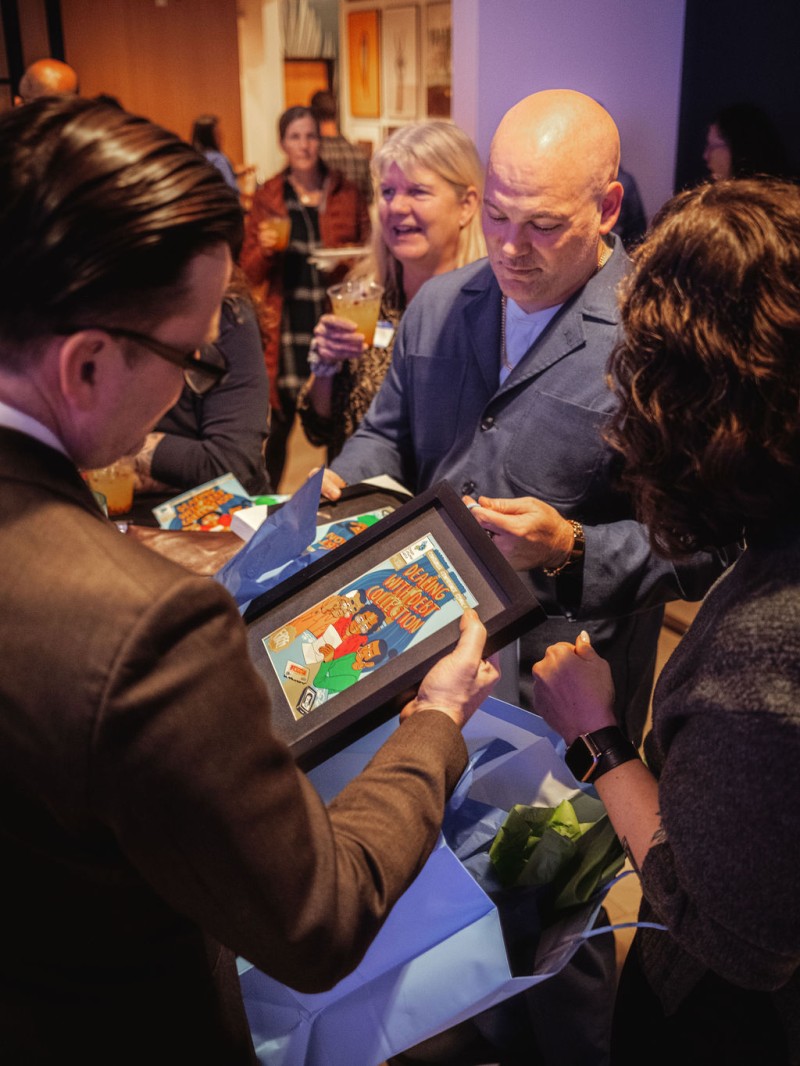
(522, 329)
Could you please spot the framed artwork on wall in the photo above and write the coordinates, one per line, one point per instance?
(364, 64)
(400, 62)
(438, 60)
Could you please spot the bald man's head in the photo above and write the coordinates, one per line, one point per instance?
(559, 130)
(551, 194)
(47, 77)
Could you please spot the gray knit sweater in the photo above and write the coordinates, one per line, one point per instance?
(725, 747)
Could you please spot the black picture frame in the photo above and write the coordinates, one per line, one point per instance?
(359, 499)
(506, 607)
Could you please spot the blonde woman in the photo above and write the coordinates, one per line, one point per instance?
(428, 180)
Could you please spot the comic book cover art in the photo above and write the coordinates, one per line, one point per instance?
(335, 643)
(333, 534)
(207, 508)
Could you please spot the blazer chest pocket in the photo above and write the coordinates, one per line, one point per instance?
(558, 451)
(435, 403)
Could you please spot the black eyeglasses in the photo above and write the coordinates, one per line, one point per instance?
(200, 372)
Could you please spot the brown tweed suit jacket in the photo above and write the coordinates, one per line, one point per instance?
(148, 813)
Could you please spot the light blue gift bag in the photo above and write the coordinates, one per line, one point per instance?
(440, 958)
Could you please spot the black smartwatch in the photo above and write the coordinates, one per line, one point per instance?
(591, 755)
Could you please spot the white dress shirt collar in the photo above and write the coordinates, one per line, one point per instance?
(11, 418)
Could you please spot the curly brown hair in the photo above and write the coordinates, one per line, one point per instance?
(708, 373)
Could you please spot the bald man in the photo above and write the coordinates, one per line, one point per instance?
(46, 77)
(498, 385)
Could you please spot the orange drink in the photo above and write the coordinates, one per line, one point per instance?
(360, 302)
(280, 227)
(116, 483)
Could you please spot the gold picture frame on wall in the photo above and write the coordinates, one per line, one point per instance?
(438, 60)
(400, 62)
(364, 63)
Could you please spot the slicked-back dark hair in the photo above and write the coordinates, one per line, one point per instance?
(101, 213)
(708, 374)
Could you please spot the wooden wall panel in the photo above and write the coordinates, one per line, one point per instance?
(33, 30)
(169, 60)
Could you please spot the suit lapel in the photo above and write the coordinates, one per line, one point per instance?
(565, 333)
(482, 319)
(562, 335)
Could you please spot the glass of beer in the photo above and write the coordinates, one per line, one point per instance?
(115, 483)
(360, 302)
(280, 227)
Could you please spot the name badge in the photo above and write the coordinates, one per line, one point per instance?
(384, 332)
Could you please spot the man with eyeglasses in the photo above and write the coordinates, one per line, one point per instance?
(152, 825)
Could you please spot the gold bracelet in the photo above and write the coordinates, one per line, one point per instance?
(576, 552)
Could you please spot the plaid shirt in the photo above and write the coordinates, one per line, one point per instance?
(304, 290)
(339, 154)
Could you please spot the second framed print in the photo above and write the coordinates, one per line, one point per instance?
(400, 62)
(341, 643)
(438, 60)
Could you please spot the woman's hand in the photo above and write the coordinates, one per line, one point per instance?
(573, 690)
(337, 339)
(459, 683)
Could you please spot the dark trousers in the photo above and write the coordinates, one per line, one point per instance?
(718, 1024)
(280, 426)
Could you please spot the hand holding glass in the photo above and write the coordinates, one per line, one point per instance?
(274, 232)
(359, 302)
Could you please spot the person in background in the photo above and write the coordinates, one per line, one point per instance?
(429, 180)
(742, 141)
(46, 77)
(707, 381)
(335, 150)
(207, 140)
(153, 825)
(225, 429)
(324, 210)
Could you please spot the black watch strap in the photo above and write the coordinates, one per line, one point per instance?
(591, 755)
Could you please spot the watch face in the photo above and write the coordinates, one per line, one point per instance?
(580, 759)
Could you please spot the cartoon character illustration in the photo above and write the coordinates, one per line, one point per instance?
(354, 631)
(399, 602)
(317, 618)
(338, 674)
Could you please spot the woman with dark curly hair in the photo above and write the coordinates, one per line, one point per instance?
(708, 379)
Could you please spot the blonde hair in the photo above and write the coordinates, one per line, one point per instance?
(446, 150)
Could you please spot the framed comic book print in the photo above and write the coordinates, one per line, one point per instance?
(342, 644)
